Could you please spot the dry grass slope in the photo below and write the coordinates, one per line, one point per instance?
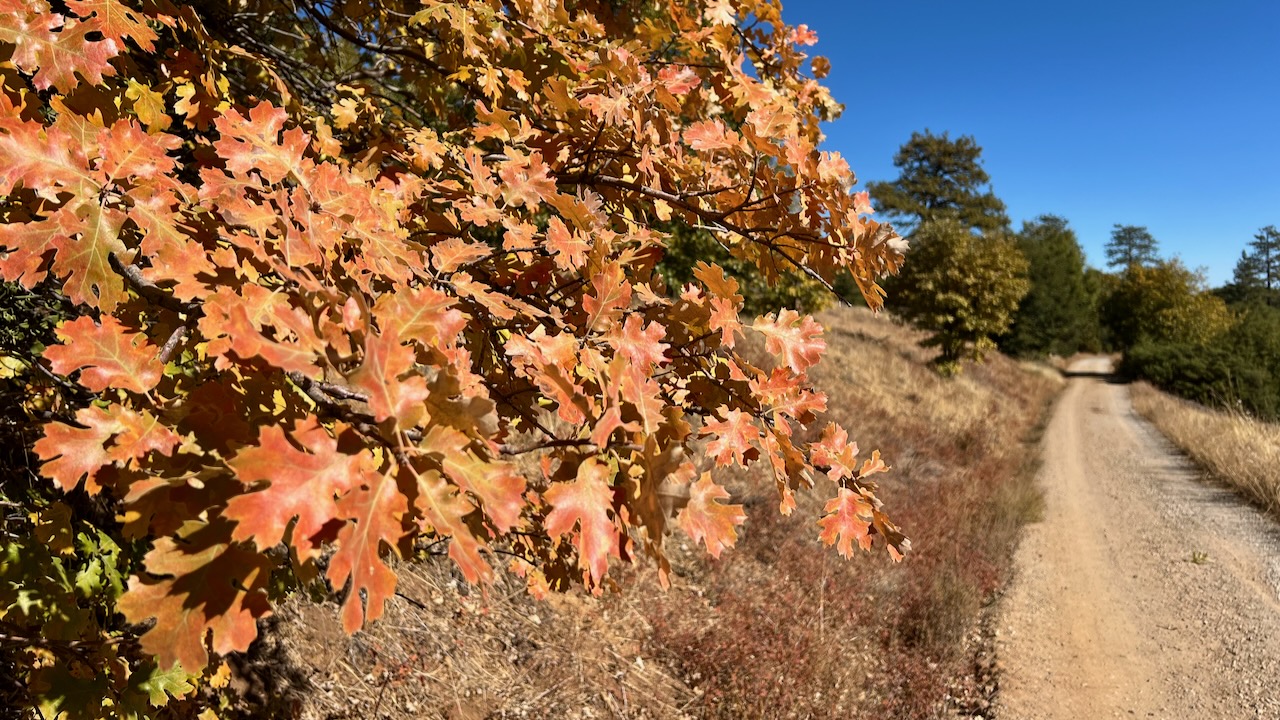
(1239, 450)
(779, 627)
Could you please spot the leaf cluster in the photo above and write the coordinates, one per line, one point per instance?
(350, 278)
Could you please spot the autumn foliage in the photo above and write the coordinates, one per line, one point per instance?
(389, 279)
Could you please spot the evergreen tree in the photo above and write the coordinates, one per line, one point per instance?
(1266, 262)
(1058, 315)
(1131, 245)
(940, 178)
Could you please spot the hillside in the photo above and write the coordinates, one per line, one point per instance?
(778, 627)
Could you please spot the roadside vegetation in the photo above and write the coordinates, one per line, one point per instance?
(750, 634)
(1239, 450)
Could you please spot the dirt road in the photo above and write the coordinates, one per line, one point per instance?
(1145, 591)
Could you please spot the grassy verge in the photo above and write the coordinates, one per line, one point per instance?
(1239, 450)
(778, 627)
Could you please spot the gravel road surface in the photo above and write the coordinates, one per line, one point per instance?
(1146, 591)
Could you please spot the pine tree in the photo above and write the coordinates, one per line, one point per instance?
(1058, 314)
(940, 178)
(1131, 245)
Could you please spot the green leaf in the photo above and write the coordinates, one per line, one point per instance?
(161, 684)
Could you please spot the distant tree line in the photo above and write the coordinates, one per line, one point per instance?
(974, 284)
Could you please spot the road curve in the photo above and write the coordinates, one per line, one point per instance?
(1145, 591)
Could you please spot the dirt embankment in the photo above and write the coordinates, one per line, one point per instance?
(1145, 592)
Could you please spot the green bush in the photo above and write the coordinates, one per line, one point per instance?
(1241, 370)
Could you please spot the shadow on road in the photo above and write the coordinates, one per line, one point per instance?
(1108, 376)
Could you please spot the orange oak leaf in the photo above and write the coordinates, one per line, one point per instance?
(254, 143)
(443, 511)
(834, 451)
(116, 21)
(114, 435)
(107, 355)
(385, 361)
(679, 80)
(847, 518)
(497, 484)
(585, 502)
(70, 453)
(709, 521)
(611, 294)
(796, 340)
(733, 436)
(639, 344)
(215, 592)
(302, 484)
(526, 183)
(375, 512)
(709, 135)
(569, 248)
(55, 58)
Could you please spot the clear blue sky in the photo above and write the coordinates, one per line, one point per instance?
(1163, 114)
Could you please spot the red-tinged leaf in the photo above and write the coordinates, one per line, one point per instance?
(115, 21)
(862, 203)
(710, 135)
(725, 301)
(638, 344)
(26, 246)
(216, 592)
(56, 58)
(802, 35)
(443, 509)
(847, 519)
(550, 362)
(254, 143)
(451, 254)
(527, 183)
(872, 466)
(734, 436)
(795, 340)
(569, 248)
(140, 434)
(48, 160)
(611, 294)
(835, 451)
(585, 503)
(107, 355)
(709, 521)
(497, 484)
(128, 152)
(637, 388)
(385, 361)
(375, 512)
(84, 255)
(302, 484)
(679, 80)
(71, 454)
(422, 314)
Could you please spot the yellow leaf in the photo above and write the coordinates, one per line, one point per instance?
(220, 678)
(149, 106)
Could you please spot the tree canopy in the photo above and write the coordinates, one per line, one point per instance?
(964, 288)
(1131, 245)
(334, 268)
(1058, 315)
(940, 178)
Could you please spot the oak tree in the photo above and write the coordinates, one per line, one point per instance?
(335, 266)
(964, 289)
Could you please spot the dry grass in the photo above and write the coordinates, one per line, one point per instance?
(779, 627)
(1239, 450)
